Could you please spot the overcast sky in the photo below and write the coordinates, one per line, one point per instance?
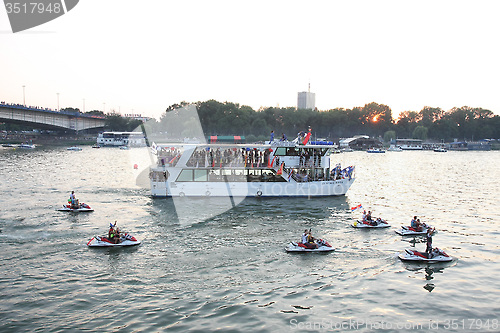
(142, 56)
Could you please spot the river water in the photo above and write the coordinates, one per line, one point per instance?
(230, 272)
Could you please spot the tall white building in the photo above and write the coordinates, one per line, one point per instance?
(306, 100)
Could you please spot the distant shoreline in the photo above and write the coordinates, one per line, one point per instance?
(51, 141)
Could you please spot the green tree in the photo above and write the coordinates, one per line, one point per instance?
(389, 136)
(420, 132)
(406, 124)
(95, 113)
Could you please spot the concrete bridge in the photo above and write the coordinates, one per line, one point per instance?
(49, 119)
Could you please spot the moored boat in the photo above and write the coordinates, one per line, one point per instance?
(394, 148)
(375, 150)
(26, 146)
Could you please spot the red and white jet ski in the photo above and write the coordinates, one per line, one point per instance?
(409, 231)
(103, 241)
(436, 255)
(322, 246)
(377, 223)
(83, 207)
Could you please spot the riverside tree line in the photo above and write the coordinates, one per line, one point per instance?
(464, 123)
(217, 118)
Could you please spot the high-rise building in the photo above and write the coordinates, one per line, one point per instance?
(306, 100)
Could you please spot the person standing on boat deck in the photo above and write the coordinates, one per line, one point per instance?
(272, 137)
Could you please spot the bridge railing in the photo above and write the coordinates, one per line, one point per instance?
(35, 108)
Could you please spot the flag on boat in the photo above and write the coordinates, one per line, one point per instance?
(173, 159)
(280, 170)
(271, 163)
(356, 207)
(308, 136)
(154, 148)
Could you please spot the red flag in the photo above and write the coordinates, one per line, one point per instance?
(308, 136)
(270, 165)
(280, 170)
(356, 207)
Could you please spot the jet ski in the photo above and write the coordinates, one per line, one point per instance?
(436, 255)
(322, 246)
(83, 207)
(409, 231)
(377, 223)
(103, 241)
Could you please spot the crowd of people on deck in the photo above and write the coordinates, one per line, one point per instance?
(208, 157)
(168, 156)
(229, 157)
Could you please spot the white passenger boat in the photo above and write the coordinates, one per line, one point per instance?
(296, 168)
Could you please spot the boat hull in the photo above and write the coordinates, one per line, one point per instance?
(251, 189)
(295, 247)
(362, 225)
(102, 241)
(416, 256)
(82, 209)
(406, 231)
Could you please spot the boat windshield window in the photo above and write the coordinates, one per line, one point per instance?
(200, 175)
(185, 176)
(280, 151)
(286, 151)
